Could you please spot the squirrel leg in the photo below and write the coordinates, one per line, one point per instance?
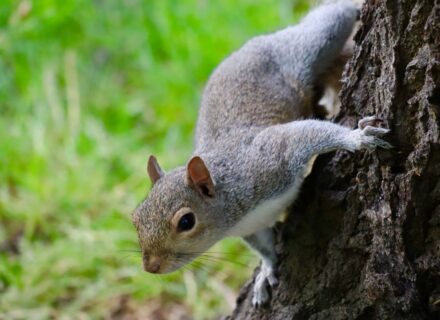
(315, 137)
(263, 243)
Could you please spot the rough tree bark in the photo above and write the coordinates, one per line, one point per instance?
(363, 240)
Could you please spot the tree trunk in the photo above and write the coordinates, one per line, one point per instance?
(363, 239)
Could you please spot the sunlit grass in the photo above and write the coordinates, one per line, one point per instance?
(88, 89)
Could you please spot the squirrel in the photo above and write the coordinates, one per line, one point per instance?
(254, 145)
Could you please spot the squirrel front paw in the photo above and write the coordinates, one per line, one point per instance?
(368, 135)
(265, 276)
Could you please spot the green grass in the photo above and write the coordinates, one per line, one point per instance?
(88, 89)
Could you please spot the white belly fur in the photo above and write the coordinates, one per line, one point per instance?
(267, 212)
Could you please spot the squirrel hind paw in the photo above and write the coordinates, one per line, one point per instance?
(265, 277)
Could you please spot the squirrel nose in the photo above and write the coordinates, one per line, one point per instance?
(152, 264)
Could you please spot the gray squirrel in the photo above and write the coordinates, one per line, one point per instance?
(252, 150)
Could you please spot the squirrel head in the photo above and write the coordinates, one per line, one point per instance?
(179, 219)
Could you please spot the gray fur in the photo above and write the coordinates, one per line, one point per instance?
(263, 243)
(248, 139)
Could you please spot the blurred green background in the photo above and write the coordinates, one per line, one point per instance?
(88, 89)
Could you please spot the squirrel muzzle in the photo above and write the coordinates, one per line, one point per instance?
(152, 264)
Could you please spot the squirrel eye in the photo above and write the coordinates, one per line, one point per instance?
(186, 222)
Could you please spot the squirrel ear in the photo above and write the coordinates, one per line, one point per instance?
(154, 170)
(199, 177)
